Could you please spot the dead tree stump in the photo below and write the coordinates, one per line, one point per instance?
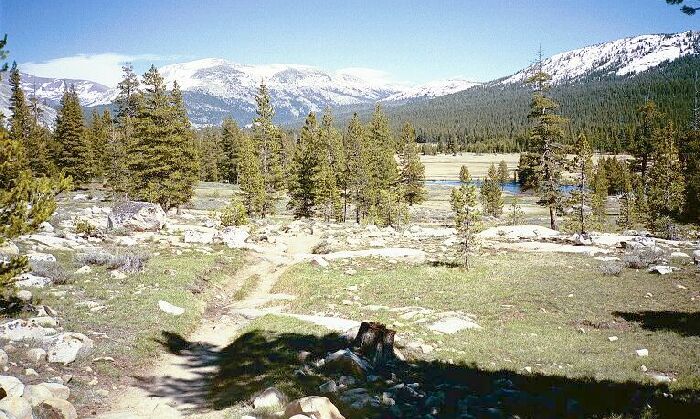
(375, 342)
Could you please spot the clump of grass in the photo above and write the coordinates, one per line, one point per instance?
(83, 227)
(126, 262)
(51, 270)
(247, 287)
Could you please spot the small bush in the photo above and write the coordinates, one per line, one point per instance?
(85, 228)
(612, 268)
(233, 214)
(51, 270)
(126, 262)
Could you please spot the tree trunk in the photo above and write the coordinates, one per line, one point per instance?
(552, 220)
(375, 342)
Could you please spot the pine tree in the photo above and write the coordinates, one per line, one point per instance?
(163, 164)
(582, 168)
(210, 153)
(516, 213)
(230, 146)
(40, 142)
(379, 157)
(412, 176)
(250, 177)
(451, 146)
(20, 120)
(329, 173)
(268, 141)
(503, 176)
(666, 186)
(25, 201)
(466, 213)
(121, 135)
(600, 196)
(644, 144)
(691, 164)
(628, 216)
(74, 154)
(305, 164)
(544, 147)
(354, 146)
(491, 195)
(98, 136)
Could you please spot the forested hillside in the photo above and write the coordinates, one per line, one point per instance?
(493, 117)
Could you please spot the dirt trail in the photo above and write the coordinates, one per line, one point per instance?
(178, 385)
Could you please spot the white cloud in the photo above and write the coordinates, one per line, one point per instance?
(103, 68)
(370, 75)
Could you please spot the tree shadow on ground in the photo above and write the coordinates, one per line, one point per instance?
(11, 306)
(683, 323)
(260, 359)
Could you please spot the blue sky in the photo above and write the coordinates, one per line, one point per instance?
(405, 41)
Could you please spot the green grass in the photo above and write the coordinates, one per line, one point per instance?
(247, 287)
(522, 301)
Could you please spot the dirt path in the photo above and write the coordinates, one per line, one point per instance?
(178, 386)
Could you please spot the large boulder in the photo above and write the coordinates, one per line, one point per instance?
(271, 397)
(314, 407)
(348, 362)
(66, 347)
(11, 385)
(16, 407)
(20, 329)
(29, 280)
(55, 408)
(201, 237)
(696, 257)
(234, 237)
(137, 216)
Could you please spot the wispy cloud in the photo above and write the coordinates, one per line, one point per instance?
(370, 75)
(103, 68)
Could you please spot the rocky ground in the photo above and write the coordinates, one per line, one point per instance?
(41, 358)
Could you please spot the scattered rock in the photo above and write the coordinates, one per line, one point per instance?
(137, 216)
(31, 372)
(29, 280)
(56, 408)
(234, 237)
(696, 257)
(201, 237)
(644, 368)
(41, 257)
(319, 261)
(46, 227)
(66, 347)
(35, 355)
(36, 394)
(57, 390)
(518, 232)
(642, 352)
(346, 361)
(612, 338)
(84, 270)
(451, 325)
(661, 269)
(16, 407)
(269, 398)
(24, 295)
(16, 330)
(9, 248)
(117, 274)
(314, 406)
(3, 358)
(350, 271)
(170, 309)
(12, 386)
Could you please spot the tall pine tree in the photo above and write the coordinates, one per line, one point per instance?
(231, 137)
(412, 176)
(302, 187)
(268, 140)
(73, 151)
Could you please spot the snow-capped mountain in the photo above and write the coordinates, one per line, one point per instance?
(624, 57)
(431, 89)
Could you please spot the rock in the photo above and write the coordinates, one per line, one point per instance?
(644, 368)
(661, 378)
(201, 237)
(56, 409)
(319, 261)
(41, 257)
(46, 227)
(679, 255)
(3, 358)
(84, 270)
(117, 274)
(452, 325)
(328, 387)
(315, 407)
(642, 352)
(66, 347)
(170, 309)
(426, 349)
(518, 232)
(9, 248)
(24, 295)
(612, 338)
(344, 360)
(661, 269)
(234, 237)
(36, 394)
(35, 355)
(31, 372)
(16, 330)
(270, 397)
(582, 239)
(11, 385)
(696, 257)
(300, 417)
(16, 407)
(137, 216)
(57, 390)
(350, 272)
(30, 280)
(125, 241)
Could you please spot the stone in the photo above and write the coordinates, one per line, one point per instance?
(680, 255)
(137, 216)
(29, 280)
(41, 257)
(313, 406)
(56, 408)
(426, 349)
(35, 355)
(451, 325)
(661, 269)
(319, 261)
(170, 309)
(36, 394)
(31, 372)
(200, 237)
(83, 270)
(4, 359)
(12, 386)
(46, 227)
(612, 338)
(696, 257)
(661, 378)
(57, 390)
(234, 237)
(24, 295)
(66, 347)
(16, 407)
(117, 274)
(17, 330)
(9, 248)
(344, 360)
(269, 398)
(328, 387)
(582, 239)
(350, 271)
(642, 352)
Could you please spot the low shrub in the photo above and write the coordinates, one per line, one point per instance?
(84, 228)
(127, 262)
(233, 214)
(612, 268)
(51, 270)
